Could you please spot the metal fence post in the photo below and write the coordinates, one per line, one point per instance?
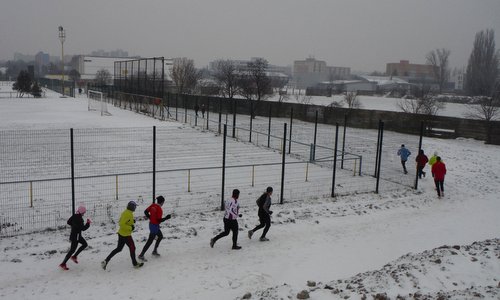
(251, 121)
(253, 175)
(208, 112)
(335, 158)
(220, 114)
(185, 110)
(31, 193)
(360, 162)
(234, 118)
(343, 142)
(72, 172)
(381, 124)
(269, 129)
(223, 167)
(315, 133)
(283, 164)
(176, 105)
(116, 187)
(154, 163)
(419, 148)
(290, 138)
(378, 148)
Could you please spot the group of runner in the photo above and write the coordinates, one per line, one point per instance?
(154, 213)
(438, 168)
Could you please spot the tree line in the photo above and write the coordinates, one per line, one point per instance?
(253, 82)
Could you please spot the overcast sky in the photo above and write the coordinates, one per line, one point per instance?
(360, 34)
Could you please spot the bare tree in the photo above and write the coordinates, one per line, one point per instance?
(485, 108)
(422, 90)
(425, 103)
(246, 88)
(410, 106)
(438, 59)
(426, 106)
(482, 68)
(335, 104)
(226, 76)
(351, 100)
(283, 96)
(184, 75)
(102, 77)
(303, 99)
(256, 83)
(431, 105)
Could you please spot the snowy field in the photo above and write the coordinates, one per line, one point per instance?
(456, 110)
(403, 242)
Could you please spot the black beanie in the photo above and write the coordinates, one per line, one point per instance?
(160, 199)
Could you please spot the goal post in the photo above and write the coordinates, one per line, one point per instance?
(96, 102)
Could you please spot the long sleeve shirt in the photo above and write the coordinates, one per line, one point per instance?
(232, 209)
(126, 223)
(439, 170)
(77, 226)
(404, 153)
(267, 204)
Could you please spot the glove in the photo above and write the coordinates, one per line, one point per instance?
(240, 215)
(270, 212)
(133, 227)
(89, 221)
(168, 217)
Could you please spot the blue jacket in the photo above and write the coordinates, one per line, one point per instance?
(404, 153)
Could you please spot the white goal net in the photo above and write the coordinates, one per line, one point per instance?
(97, 102)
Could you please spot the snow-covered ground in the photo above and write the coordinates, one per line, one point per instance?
(403, 242)
(456, 110)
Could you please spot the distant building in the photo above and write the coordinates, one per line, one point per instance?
(309, 72)
(279, 75)
(242, 66)
(457, 77)
(41, 60)
(113, 53)
(327, 88)
(23, 57)
(88, 66)
(409, 71)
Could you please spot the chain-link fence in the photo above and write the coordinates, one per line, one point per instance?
(45, 173)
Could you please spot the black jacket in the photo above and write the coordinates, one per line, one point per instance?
(77, 226)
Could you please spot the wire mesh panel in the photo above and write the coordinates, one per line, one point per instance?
(31, 190)
(144, 76)
(105, 197)
(115, 165)
(112, 167)
(356, 151)
(101, 151)
(34, 205)
(34, 154)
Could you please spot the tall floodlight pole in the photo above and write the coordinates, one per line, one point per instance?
(62, 38)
